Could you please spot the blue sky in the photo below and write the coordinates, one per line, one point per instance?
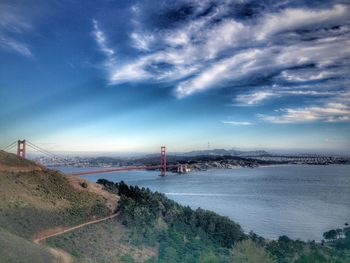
(129, 76)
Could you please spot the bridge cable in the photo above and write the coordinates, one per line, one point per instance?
(56, 158)
(50, 154)
(35, 147)
(10, 146)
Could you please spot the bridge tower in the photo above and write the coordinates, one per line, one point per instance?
(21, 148)
(162, 161)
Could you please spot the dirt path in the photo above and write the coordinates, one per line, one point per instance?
(61, 255)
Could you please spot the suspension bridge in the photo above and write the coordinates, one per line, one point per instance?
(163, 167)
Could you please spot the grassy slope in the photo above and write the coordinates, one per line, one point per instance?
(25, 251)
(34, 199)
(9, 161)
(103, 242)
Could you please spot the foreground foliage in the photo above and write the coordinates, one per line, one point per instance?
(250, 251)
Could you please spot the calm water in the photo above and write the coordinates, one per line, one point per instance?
(296, 200)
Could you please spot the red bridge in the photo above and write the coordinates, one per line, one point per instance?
(22, 149)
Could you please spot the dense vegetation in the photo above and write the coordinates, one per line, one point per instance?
(185, 235)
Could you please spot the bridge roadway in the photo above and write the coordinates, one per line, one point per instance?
(122, 169)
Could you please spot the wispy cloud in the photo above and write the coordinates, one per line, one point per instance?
(336, 110)
(12, 26)
(255, 97)
(100, 38)
(239, 123)
(332, 112)
(118, 73)
(263, 94)
(293, 46)
(11, 44)
(141, 41)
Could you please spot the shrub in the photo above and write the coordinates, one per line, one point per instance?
(247, 251)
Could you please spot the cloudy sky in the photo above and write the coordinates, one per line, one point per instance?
(130, 76)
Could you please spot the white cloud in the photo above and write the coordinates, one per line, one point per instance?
(121, 74)
(100, 38)
(295, 18)
(330, 112)
(227, 34)
(142, 41)
(234, 67)
(255, 97)
(308, 92)
(209, 51)
(177, 38)
(118, 73)
(240, 123)
(263, 60)
(304, 75)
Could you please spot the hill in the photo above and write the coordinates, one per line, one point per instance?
(52, 217)
(224, 152)
(10, 162)
(29, 252)
(35, 201)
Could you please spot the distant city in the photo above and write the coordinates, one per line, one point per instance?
(197, 160)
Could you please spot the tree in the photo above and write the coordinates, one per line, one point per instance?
(330, 235)
(339, 232)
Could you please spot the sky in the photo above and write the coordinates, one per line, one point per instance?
(130, 76)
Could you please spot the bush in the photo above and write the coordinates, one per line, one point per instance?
(84, 184)
(247, 251)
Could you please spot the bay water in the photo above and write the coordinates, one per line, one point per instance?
(300, 201)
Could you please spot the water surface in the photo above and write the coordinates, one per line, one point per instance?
(300, 201)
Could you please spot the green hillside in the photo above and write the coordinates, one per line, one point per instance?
(15, 249)
(148, 227)
(9, 161)
(36, 200)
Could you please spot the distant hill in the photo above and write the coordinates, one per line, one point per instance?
(222, 152)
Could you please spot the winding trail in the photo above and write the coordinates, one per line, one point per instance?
(61, 255)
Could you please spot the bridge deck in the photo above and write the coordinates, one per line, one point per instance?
(121, 169)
